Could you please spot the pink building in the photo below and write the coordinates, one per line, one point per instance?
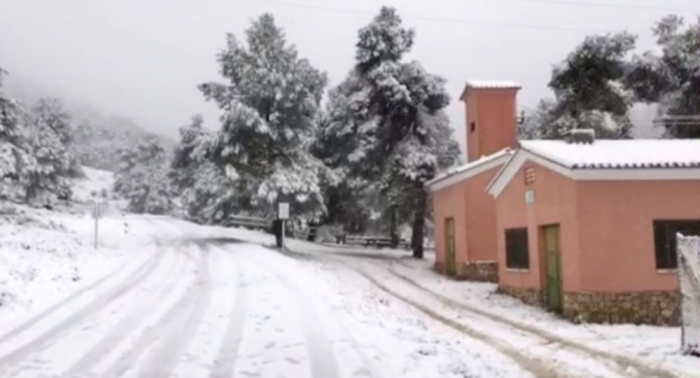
(465, 215)
(586, 229)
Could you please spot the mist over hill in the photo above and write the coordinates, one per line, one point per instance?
(98, 136)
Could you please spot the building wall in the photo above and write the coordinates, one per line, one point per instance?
(555, 203)
(481, 218)
(494, 113)
(474, 212)
(449, 202)
(616, 231)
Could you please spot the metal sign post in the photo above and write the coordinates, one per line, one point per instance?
(283, 215)
(98, 209)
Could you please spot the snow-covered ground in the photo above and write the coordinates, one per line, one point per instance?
(162, 297)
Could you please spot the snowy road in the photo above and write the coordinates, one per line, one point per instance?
(185, 309)
(212, 307)
(197, 303)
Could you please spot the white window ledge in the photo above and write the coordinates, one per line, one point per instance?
(512, 270)
(667, 271)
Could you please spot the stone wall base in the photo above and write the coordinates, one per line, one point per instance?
(478, 271)
(659, 308)
(441, 267)
(534, 297)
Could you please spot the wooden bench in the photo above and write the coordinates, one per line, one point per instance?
(366, 241)
(248, 222)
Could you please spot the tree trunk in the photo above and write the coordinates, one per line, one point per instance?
(419, 220)
(393, 231)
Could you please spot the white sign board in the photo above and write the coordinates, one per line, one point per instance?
(99, 209)
(530, 197)
(688, 249)
(283, 210)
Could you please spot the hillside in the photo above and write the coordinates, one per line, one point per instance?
(98, 137)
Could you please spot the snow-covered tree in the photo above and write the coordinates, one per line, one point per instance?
(589, 89)
(387, 123)
(44, 177)
(207, 194)
(50, 113)
(671, 80)
(142, 179)
(270, 102)
(12, 149)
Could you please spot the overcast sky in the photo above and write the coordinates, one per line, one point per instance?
(143, 58)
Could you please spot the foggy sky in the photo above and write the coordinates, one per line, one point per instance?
(143, 58)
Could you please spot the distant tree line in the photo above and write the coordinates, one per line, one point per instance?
(600, 81)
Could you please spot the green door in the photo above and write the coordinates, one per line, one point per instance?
(450, 247)
(552, 252)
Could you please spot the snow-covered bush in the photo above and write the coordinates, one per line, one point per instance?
(143, 179)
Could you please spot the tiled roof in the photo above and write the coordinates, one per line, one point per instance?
(618, 154)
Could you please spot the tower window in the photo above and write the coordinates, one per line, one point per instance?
(472, 126)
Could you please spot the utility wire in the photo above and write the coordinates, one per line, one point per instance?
(603, 5)
(425, 18)
(443, 20)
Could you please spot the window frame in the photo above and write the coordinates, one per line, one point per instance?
(521, 236)
(664, 232)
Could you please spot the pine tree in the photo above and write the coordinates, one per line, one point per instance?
(142, 179)
(270, 102)
(589, 89)
(208, 195)
(45, 175)
(671, 80)
(50, 112)
(387, 122)
(12, 148)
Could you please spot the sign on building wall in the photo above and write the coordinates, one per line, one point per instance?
(689, 279)
(529, 197)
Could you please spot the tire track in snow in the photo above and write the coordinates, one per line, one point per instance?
(165, 357)
(536, 367)
(121, 330)
(321, 355)
(95, 305)
(225, 363)
(620, 363)
(57, 306)
(150, 335)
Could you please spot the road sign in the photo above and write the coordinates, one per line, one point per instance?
(283, 210)
(98, 209)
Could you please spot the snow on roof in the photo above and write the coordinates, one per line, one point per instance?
(492, 84)
(616, 154)
(489, 84)
(470, 169)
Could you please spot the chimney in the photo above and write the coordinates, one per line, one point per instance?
(491, 117)
(582, 136)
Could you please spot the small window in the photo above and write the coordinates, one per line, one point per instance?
(529, 175)
(517, 251)
(472, 126)
(665, 240)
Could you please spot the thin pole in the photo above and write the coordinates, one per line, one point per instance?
(283, 230)
(95, 232)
